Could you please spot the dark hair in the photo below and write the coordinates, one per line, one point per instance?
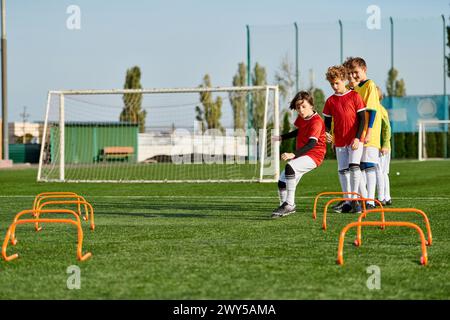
(302, 95)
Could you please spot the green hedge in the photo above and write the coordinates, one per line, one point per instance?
(406, 145)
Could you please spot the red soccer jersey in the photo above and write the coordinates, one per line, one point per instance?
(312, 128)
(344, 108)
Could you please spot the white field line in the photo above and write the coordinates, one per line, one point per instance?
(221, 197)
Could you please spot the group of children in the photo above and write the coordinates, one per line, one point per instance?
(356, 124)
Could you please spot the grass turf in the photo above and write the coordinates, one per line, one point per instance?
(216, 241)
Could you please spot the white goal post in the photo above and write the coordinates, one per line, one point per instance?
(90, 135)
(431, 126)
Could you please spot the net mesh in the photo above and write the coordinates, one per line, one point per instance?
(159, 136)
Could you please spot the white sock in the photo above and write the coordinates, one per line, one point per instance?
(387, 188)
(290, 188)
(380, 184)
(363, 185)
(371, 179)
(355, 180)
(344, 179)
(282, 193)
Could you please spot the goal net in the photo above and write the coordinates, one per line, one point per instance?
(434, 139)
(201, 134)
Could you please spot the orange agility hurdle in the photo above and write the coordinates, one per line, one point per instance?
(358, 240)
(423, 258)
(77, 202)
(363, 200)
(10, 234)
(59, 195)
(330, 193)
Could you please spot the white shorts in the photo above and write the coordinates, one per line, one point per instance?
(384, 164)
(346, 155)
(370, 154)
(301, 165)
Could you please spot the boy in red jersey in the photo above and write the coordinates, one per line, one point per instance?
(345, 109)
(309, 153)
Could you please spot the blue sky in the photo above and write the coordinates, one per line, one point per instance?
(176, 42)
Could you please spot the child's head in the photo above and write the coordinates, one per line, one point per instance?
(303, 103)
(358, 68)
(351, 80)
(380, 93)
(336, 76)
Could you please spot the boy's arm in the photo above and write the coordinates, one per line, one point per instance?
(385, 133)
(289, 135)
(372, 114)
(308, 146)
(361, 124)
(327, 119)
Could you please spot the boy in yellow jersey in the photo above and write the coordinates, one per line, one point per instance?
(383, 185)
(372, 133)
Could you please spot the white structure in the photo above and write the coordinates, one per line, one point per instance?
(20, 129)
(424, 125)
(234, 155)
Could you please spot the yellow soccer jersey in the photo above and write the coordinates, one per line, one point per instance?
(368, 92)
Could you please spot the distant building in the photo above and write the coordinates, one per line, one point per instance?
(17, 130)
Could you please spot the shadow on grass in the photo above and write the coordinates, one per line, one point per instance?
(186, 215)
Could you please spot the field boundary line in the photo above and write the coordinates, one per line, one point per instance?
(218, 197)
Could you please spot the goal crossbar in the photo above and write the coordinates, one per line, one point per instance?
(164, 90)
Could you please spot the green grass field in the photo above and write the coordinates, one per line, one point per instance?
(216, 241)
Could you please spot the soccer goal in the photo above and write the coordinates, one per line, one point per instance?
(433, 139)
(203, 134)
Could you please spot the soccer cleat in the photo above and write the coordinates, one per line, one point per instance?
(338, 208)
(346, 208)
(283, 210)
(383, 203)
(370, 206)
(389, 202)
(356, 207)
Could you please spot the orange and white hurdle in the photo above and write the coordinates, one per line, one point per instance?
(423, 258)
(425, 241)
(40, 206)
(11, 233)
(358, 240)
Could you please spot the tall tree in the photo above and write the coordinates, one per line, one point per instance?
(319, 99)
(259, 78)
(394, 87)
(212, 110)
(238, 99)
(287, 145)
(285, 79)
(132, 110)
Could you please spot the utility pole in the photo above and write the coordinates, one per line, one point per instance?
(24, 116)
(296, 57)
(5, 149)
(391, 99)
(341, 40)
(311, 79)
